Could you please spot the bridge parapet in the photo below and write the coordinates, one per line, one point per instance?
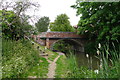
(59, 35)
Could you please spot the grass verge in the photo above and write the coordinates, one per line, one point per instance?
(51, 55)
(61, 67)
(40, 70)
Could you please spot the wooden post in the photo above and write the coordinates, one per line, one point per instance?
(47, 43)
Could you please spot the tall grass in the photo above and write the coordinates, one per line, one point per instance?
(110, 62)
(109, 68)
(0, 57)
(109, 65)
(76, 71)
(67, 67)
(17, 58)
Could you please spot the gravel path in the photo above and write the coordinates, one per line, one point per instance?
(52, 67)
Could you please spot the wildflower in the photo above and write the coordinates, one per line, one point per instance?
(86, 31)
(87, 55)
(98, 52)
(100, 63)
(99, 45)
(96, 71)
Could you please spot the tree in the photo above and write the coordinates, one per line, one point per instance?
(14, 21)
(99, 20)
(42, 24)
(61, 23)
(17, 29)
(18, 7)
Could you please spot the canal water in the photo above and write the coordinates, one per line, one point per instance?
(90, 61)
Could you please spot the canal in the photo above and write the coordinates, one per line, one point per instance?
(91, 61)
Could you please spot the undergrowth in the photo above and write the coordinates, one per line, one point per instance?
(17, 58)
(40, 70)
(67, 67)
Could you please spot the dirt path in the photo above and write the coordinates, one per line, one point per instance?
(52, 67)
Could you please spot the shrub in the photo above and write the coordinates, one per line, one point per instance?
(17, 58)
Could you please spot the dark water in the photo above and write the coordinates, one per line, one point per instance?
(91, 62)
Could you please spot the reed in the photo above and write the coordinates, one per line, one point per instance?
(110, 62)
(76, 71)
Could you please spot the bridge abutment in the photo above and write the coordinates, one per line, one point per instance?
(48, 43)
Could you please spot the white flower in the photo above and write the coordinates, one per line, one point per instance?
(87, 55)
(99, 45)
(96, 71)
(98, 52)
(86, 30)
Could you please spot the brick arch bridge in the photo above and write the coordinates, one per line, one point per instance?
(48, 39)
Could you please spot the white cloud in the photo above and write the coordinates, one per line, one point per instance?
(52, 8)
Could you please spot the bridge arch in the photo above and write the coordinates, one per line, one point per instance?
(77, 45)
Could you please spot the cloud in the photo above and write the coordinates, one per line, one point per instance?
(52, 8)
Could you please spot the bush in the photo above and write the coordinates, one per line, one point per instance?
(90, 48)
(17, 58)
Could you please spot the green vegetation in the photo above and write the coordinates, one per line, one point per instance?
(78, 72)
(61, 67)
(110, 62)
(67, 67)
(90, 47)
(62, 46)
(61, 23)
(21, 59)
(0, 58)
(17, 58)
(52, 55)
(42, 24)
(12, 27)
(99, 21)
(40, 70)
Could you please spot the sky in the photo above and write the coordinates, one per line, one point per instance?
(52, 8)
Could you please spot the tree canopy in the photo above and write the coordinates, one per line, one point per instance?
(61, 23)
(17, 29)
(42, 24)
(14, 21)
(99, 19)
